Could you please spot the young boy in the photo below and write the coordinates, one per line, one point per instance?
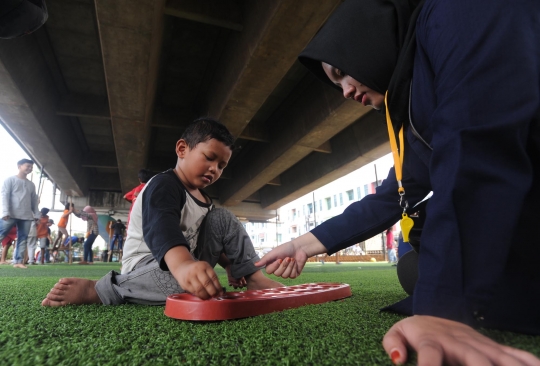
(62, 224)
(43, 234)
(176, 236)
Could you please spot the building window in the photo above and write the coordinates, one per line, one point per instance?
(350, 195)
(328, 203)
(293, 230)
(341, 199)
(310, 208)
(366, 190)
(320, 205)
(358, 193)
(294, 214)
(279, 238)
(335, 201)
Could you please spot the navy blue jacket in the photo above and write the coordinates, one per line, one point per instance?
(476, 102)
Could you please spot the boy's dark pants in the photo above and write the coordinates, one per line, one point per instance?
(147, 284)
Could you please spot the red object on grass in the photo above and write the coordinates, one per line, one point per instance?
(233, 305)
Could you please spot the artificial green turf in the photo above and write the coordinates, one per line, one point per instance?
(337, 333)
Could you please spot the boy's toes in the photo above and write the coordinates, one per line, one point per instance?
(50, 302)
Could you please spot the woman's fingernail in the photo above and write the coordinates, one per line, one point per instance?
(279, 261)
(394, 355)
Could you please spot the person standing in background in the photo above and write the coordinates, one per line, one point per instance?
(42, 233)
(6, 244)
(31, 242)
(62, 223)
(144, 176)
(390, 246)
(20, 208)
(89, 215)
(118, 236)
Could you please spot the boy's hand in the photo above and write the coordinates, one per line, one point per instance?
(440, 341)
(195, 277)
(199, 279)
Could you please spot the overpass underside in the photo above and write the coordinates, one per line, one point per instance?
(106, 88)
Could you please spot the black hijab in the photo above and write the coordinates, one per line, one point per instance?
(374, 42)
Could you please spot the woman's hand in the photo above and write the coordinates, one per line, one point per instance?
(440, 341)
(288, 260)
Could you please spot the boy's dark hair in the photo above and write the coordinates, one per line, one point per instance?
(145, 175)
(44, 211)
(24, 161)
(204, 129)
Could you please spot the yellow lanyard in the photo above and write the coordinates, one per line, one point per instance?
(406, 222)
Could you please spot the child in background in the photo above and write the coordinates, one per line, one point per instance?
(44, 243)
(6, 243)
(144, 176)
(42, 233)
(62, 223)
(176, 236)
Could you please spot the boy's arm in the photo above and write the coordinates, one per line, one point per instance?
(196, 277)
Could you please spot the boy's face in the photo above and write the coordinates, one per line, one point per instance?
(203, 165)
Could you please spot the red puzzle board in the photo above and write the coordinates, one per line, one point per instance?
(233, 305)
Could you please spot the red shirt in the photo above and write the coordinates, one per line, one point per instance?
(389, 240)
(132, 195)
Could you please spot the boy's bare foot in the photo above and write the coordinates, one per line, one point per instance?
(72, 291)
(258, 281)
(4, 262)
(235, 282)
(19, 265)
(83, 262)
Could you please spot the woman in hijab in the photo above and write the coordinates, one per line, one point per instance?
(89, 215)
(463, 114)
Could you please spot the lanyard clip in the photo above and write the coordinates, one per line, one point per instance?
(403, 202)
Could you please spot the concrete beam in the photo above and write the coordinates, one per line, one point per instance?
(275, 182)
(80, 105)
(357, 145)
(312, 115)
(324, 148)
(225, 14)
(105, 182)
(28, 99)
(249, 211)
(131, 34)
(100, 160)
(256, 59)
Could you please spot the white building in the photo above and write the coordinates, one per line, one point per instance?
(303, 214)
